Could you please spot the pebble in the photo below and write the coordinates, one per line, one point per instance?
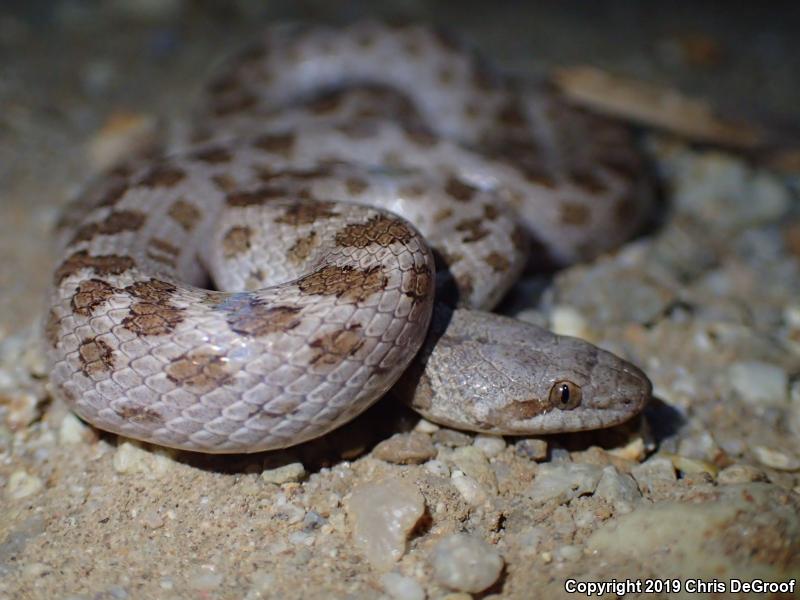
(618, 489)
(563, 482)
(425, 426)
(474, 463)
(776, 459)
(466, 563)
(21, 408)
(437, 467)
(451, 438)
(400, 587)
(655, 475)
(284, 474)
(691, 465)
(22, 484)
(566, 320)
(406, 448)
(132, 459)
(490, 445)
(532, 448)
(72, 430)
(383, 515)
(759, 383)
(740, 473)
(470, 490)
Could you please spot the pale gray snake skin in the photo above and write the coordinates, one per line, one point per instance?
(328, 167)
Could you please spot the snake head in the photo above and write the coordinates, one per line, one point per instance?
(497, 375)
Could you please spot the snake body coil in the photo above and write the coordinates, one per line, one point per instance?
(326, 168)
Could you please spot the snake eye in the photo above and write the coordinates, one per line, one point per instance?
(565, 395)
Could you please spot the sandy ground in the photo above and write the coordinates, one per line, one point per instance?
(705, 487)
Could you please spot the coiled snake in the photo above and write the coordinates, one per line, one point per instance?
(337, 181)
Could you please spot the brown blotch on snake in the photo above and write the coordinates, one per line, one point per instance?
(349, 283)
(332, 348)
(474, 230)
(276, 143)
(199, 371)
(302, 248)
(95, 356)
(213, 155)
(380, 230)
(460, 190)
(498, 262)
(162, 176)
(306, 213)
(153, 290)
(139, 414)
(236, 241)
(152, 318)
(255, 197)
(89, 295)
(115, 222)
(109, 264)
(256, 319)
(185, 214)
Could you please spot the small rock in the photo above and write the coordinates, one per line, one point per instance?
(473, 462)
(470, 490)
(437, 467)
(20, 409)
(569, 553)
(465, 563)
(740, 473)
(22, 484)
(425, 426)
(532, 448)
(400, 587)
(284, 474)
(130, 459)
(690, 465)
(655, 475)
(452, 438)
(406, 448)
(490, 445)
(634, 450)
(566, 320)
(618, 489)
(759, 383)
(563, 482)
(72, 430)
(776, 459)
(383, 515)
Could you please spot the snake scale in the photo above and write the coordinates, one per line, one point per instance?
(351, 203)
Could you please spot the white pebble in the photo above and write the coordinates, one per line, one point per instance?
(562, 482)
(566, 320)
(132, 459)
(759, 382)
(466, 563)
(425, 426)
(437, 467)
(776, 459)
(490, 445)
(71, 430)
(22, 484)
(400, 587)
(284, 474)
(383, 515)
(470, 490)
(618, 489)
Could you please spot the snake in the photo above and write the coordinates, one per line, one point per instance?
(349, 206)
